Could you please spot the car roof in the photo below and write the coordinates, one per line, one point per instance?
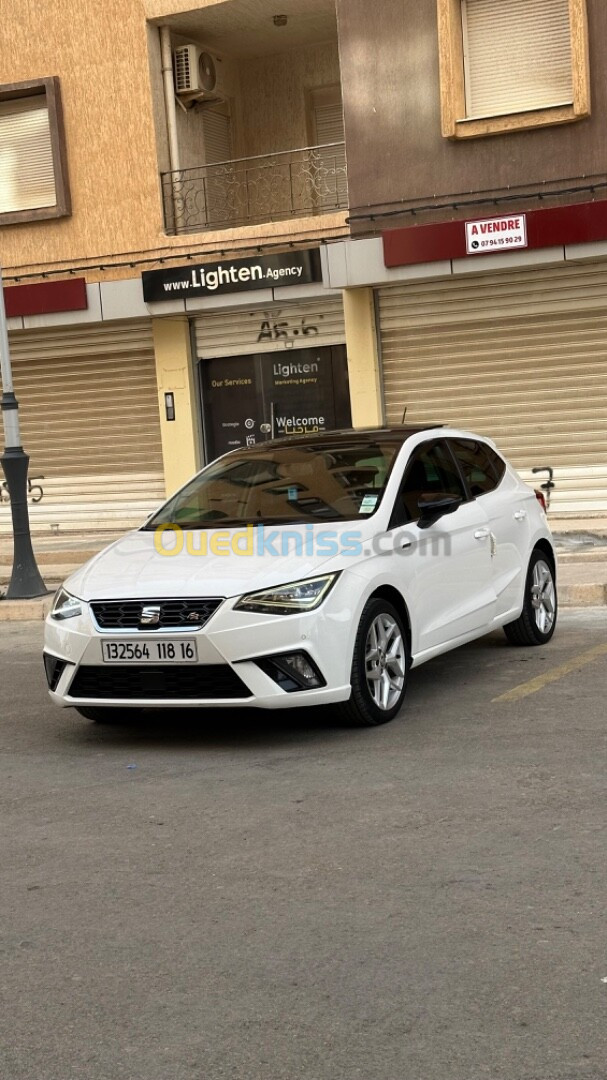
(362, 435)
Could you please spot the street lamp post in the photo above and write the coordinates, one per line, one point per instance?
(26, 581)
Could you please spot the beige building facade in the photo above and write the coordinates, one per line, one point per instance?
(246, 162)
(190, 265)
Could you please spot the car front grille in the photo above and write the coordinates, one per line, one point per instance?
(164, 614)
(191, 681)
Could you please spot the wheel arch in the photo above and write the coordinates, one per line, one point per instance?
(394, 597)
(546, 548)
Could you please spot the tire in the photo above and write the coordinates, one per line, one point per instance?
(109, 715)
(537, 621)
(379, 667)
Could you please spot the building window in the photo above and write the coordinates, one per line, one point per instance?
(33, 171)
(506, 65)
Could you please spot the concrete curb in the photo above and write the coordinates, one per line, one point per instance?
(584, 595)
(25, 610)
(51, 575)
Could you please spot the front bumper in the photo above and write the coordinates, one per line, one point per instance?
(226, 674)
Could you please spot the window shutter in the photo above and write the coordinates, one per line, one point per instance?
(333, 183)
(329, 123)
(217, 137)
(27, 176)
(517, 55)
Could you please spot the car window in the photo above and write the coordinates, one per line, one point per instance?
(430, 471)
(497, 463)
(332, 481)
(482, 468)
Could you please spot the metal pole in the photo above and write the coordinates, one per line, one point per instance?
(26, 581)
(166, 56)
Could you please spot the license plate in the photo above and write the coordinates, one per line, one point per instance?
(152, 651)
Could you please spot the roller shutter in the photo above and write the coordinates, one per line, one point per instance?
(517, 55)
(521, 357)
(217, 133)
(332, 180)
(294, 325)
(27, 174)
(90, 423)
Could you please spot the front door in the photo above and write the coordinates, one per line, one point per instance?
(446, 569)
(249, 399)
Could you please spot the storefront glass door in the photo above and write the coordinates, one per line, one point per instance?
(250, 399)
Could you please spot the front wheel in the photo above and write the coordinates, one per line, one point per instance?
(537, 622)
(379, 666)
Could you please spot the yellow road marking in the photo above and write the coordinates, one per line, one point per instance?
(552, 675)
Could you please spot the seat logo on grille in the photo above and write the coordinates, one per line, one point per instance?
(150, 616)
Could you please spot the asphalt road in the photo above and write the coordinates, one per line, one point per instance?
(274, 898)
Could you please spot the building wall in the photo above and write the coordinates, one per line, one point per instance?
(156, 9)
(268, 102)
(389, 66)
(109, 68)
(99, 53)
(272, 95)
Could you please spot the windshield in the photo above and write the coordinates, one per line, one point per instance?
(323, 482)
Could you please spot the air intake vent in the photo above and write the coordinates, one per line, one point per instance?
(194, 682)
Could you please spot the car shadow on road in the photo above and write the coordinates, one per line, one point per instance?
(218, 729)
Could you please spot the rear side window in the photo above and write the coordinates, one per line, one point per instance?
(482, 467)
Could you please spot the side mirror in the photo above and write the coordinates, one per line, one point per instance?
(435, 506)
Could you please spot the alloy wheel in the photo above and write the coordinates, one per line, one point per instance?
(385, 662)
(543, 596)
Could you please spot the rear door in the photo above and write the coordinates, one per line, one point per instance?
(445, 571)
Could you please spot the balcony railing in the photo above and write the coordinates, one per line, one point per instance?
(249, 191)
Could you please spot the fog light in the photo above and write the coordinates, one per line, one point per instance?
(292, 671)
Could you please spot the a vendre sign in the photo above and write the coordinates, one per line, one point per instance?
(496, 234)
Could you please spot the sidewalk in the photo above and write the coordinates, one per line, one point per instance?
(582, 566)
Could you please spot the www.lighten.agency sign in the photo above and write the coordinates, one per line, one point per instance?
(232, 275)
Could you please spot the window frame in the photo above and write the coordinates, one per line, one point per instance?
(49, 89)
(455, 125)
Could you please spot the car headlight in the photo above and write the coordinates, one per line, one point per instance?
(289, 599)
(65, 606)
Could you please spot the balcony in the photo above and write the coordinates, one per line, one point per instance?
(253, 190)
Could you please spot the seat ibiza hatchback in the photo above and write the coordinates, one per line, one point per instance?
(310, 570)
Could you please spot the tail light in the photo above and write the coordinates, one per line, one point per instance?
(541, 499)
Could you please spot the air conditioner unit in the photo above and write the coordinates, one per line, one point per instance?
(195, 73)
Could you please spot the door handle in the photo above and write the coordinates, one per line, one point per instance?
(481, 534)
(520, 515)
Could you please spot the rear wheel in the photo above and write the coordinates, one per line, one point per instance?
(379, 666)
(537, 621)
(109, 715)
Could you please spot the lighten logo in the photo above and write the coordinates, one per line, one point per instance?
(150, 616)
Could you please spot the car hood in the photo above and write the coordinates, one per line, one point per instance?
(134, 568)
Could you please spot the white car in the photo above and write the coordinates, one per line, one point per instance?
(310, 570)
